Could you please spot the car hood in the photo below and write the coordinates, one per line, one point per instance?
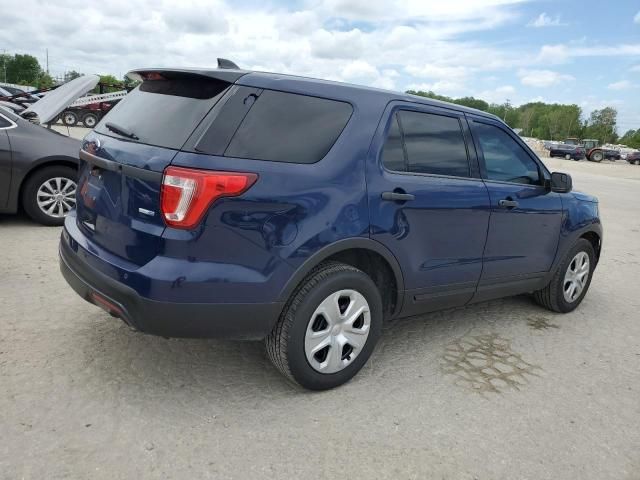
(584, 197)
(49, 106)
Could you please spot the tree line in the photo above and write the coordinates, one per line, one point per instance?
(550, 121)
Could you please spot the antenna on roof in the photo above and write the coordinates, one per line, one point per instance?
(228, 64)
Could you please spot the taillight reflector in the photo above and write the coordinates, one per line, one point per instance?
(187, 193)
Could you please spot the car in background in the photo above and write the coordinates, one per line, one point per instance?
(306, 212)
(38, 166)
(570, 152)
(611, 154)
(634, 158)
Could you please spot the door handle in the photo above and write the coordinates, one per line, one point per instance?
(508, 203)
(397, 196)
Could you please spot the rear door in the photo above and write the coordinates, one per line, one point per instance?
(526, 216)
(428, 205)
(123, 160)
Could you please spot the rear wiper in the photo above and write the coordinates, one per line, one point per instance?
(121, 131)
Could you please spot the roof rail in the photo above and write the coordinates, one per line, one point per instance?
(228, 64)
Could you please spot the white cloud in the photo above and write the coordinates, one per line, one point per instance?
(562, 53)
(325, 44)
(621, 85)
(635, 68)
(636, 19)
(544, 20)
(542, 78)
(497, 95)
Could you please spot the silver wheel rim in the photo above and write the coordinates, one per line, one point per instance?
(337, 331)
(56, 197)
(69, 118)
(576, 277)
(567, 156)
(90, 121)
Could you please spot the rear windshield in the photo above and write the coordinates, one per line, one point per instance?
(164, 112)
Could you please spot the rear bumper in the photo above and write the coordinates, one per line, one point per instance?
(252, 321)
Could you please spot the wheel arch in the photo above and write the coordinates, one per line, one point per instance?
(368, 255)
(38, 165)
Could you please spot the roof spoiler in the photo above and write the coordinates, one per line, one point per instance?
(227, 64)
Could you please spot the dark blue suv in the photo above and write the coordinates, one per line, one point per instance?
(229, 203)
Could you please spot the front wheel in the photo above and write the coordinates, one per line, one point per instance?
(329, 327)
(69, 118)
(567, 157)
(571, 280)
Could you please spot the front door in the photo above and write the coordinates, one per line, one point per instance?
(428, 204)
(5, 160)
(526, 217)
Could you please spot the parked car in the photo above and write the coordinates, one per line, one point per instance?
(634, 158)
(38, 166)
(306, 212)
(575, 152)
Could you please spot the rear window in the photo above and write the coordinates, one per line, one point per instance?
(287, 127)
(165, 112)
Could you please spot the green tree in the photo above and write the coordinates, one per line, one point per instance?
(109, 80)
(71, 75)
(602, 125)
(631, 138)
(21, 69)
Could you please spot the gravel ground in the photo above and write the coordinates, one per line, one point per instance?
(82, 396)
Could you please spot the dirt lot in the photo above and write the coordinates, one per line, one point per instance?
(82, 396)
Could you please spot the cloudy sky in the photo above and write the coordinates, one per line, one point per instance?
(573, 51)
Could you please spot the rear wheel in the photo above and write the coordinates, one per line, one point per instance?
(571, 280)
(596, 157)
(69, 119)
(90, 120)
(50, 194)
(329, 327)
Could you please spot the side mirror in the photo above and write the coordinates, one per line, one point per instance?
(561, 182)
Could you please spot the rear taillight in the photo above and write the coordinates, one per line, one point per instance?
(186, 193)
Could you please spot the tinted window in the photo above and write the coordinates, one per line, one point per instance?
(165, 112)
(393, 151)
(286, 127)
(504, 159)
(434, 144)
(4, 123)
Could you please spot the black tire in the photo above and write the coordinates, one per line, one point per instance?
(90, 120)
(69, 118)
(285, 344)
(30, 192)
(596, 157)
(552, 296)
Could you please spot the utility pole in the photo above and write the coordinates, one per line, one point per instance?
(507, 105)
(4, 64)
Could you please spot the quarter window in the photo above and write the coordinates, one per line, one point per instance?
(287, 127)
(505, 160)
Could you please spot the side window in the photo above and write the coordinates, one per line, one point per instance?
(393, 151)
(434, 144)
(287, 127)
(4, 123)
(504, 159)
